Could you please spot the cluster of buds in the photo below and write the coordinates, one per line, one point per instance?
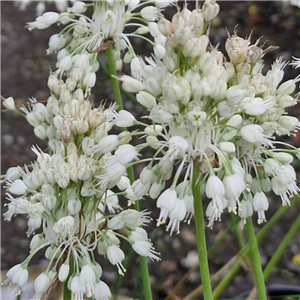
(67, 192)
(217, 115)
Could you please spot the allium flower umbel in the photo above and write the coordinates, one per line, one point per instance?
(217, 114)
(66, 192)
(83, 37)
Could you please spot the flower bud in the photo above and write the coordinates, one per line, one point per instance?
(283, 158)
(56, 42)
(227, 147)
(42, 283)
(182, 35)
(17, 187)
(210, 10)
(124, 119)
(195, 46)
(107, 144)
(164, 26)
(12, 173)
(50, 17)
(131, 85)
(125, 154)
(237, 49)
(245, 211)
(9, 103)
(78, 7)
(63, 272)
(149, 13)
(159, 51)
(287, 87)
(89, 79)
(146, 99)
(66, 63)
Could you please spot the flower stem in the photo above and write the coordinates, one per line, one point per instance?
(118, 99)
(255, 257)
(114, 81)
(67, 295)
(201, 242)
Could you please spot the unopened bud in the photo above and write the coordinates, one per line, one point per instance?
(210, 10)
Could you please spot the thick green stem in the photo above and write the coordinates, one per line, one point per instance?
(114, 80)
(201, 242)
(255, 258)
(118, 99)
(67, 295)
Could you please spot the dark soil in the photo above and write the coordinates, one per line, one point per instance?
(25, 69)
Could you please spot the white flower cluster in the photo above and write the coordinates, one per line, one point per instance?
(67, 193)
(83, 37)
(215, 114)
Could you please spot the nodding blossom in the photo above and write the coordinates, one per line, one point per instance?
(66, 192)
(78, 44)
(219, 114)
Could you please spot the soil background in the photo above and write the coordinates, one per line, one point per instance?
(24, 74)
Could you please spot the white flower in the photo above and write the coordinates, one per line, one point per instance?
(17, 275)
(213, 213)
(107, 144)
(210, 10)
(16, 187)
(149, 13)
(178, 146)
(215, 190)
(260, 204)
(253, 133)
(78, 7)
(64, 226)
(125, 154)
(166, 202)
(36, 241)
(131, 85)
(176, 215)
(102, 291)
(124, 118)
(234, 185)
(12, 173)
(9, 103)
(115, 255)
(146, 99)
(64, 272)
(88, 278)
(77, 287)
(57, 42)
(144, 248)
(245, 211)
(139, 189)
(41, 285)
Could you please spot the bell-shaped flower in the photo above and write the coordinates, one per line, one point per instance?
(260, 204)
(245, 211)
(88, 278)
(41, 284)
(102, 291)
(17, 275)
(115, 255)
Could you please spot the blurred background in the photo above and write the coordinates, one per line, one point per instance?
(24, 74)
